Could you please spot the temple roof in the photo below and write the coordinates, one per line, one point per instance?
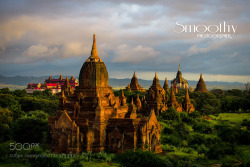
(93, 72)
(94, 52)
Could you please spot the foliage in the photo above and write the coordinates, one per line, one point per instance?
(203, 126)
(45, 161)
(23, 129)
(140, 158)
(33, 103)
(170, 114)
(9, 101)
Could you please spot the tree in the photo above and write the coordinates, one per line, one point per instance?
(9, 101)
(170, 114)
(29, 130)
(6, 117)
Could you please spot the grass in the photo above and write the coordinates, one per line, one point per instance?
(232, 117)
(12, 164)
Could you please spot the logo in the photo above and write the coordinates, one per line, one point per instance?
(24, 146)
(221, 30)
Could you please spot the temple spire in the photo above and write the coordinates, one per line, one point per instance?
(201, 86)
(61, 77)
(94, 52)
(134, 74)
(179, 67)
(187, 95)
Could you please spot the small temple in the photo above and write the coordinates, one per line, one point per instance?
(201, 86)
(179, 81)
(92, 118)
(134, 85)
(156, 97)
(187, 105)
(54, 85)
(172, 102)
(165, 86)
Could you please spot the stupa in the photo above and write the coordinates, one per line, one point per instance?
(201, 86)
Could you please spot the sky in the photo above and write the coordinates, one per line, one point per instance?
(50, 37)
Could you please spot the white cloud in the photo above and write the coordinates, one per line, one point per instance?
(125, 53)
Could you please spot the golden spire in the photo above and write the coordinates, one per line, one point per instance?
(132, 102)
(156, 75)
(138, 102)
(134, 74)
(179, 67)
(187, 95)
(94, 52)
(201, 76)
(122, 93)
(61, 77)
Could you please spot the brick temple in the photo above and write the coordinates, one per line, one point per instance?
(92, 118)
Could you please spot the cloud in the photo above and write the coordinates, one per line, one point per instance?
(128, 54)
(136, 33)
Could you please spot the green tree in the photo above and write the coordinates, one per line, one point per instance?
(9, 101)
(170, 114)
(29, 130)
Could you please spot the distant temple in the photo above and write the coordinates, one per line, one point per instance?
(92, 118)
(165, 86)
(156, 97)
(172, 102)
(201, 86)
(180, 82)
(134, 85)
(187, 105)
(54, 84)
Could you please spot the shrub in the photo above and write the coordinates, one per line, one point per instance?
(45, 162)
(22, 130)
(141, 158)
(171, 114)
(203, 127)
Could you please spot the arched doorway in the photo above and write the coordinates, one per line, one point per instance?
(153, 142)
(64, 143)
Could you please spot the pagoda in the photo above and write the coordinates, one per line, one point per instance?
(92, 118)
(187, 105)
(179, 80)
(156, 97)
(165, 86)
(172, 102)
(201, 86)
(134, 85)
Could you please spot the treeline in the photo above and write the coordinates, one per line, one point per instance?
(24, 115)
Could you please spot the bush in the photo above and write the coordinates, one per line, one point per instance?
(141, 158)
(45, 162)
(22, 130)
(76, 163)
(170, 114)
(203, 127)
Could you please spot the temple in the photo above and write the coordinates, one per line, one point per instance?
(134, 85)
(172, 102)
(187, 105)
(92, 118)
(156, 97)
(165, 86)
(54, 85)
(201, 86)
(179, 81)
